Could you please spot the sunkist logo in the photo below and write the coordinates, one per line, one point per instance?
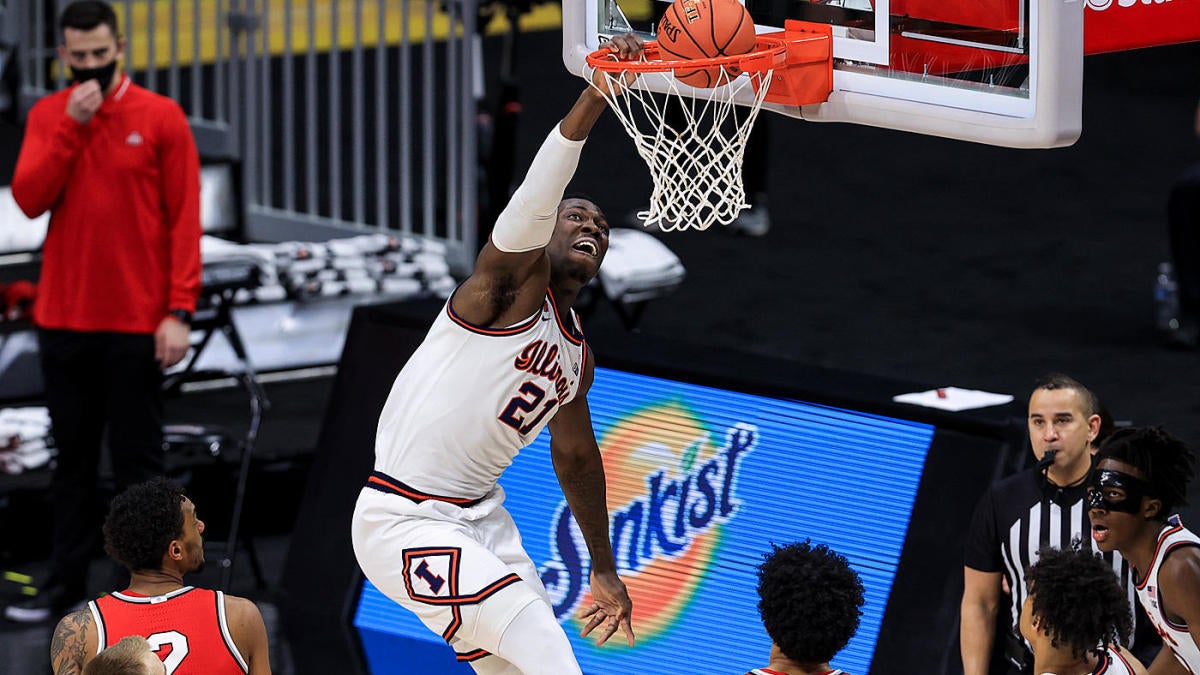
(672, 484)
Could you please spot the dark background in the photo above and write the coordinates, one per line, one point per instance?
(941, 261)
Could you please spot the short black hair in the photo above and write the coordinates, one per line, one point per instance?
(1166, 462)
(1078, 601)
(86, 15)
(584, 196)
(810, 601)
(142, 522)
(1091, 402)
(578, 195)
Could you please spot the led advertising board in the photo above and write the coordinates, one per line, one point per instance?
(701, 482)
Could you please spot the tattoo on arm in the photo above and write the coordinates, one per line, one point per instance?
(68, 647)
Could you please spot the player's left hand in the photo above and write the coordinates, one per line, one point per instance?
(171, 341)
(625, 47)
(611, 608)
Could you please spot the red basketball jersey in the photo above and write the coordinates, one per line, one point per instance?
(186, 628)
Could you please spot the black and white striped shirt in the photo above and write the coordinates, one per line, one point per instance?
(1020, 515)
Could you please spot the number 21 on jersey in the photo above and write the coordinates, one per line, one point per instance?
(522, 412)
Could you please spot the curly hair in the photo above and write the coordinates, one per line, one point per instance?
(810, 601)
(1166, 462)
(142, 521)
(1077, 601)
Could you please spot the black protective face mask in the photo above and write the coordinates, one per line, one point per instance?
(103, 74)
(1135, 488)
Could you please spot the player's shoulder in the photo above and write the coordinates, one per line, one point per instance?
(242, 617)
(1123, 661)
(1182, 532)
(74, 637)
(76, 621)
(245, 624)
(1181, 564)
(239, 607)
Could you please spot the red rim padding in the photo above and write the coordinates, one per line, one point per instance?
(769, 53)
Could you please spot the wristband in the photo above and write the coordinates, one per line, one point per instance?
(183, 315)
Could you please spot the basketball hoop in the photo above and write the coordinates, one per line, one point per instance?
(697, 169)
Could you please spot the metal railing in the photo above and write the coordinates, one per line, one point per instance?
(344, 115)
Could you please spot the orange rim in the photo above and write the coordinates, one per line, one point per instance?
(769, 53)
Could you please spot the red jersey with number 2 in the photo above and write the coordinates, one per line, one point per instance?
(186, 628)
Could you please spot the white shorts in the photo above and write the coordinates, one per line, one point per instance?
(441, 561)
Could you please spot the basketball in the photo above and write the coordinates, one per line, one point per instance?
(697, 29)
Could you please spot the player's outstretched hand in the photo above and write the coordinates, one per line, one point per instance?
(627, 47)
(611, 608)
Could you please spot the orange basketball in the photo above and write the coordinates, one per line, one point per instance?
(696, 29)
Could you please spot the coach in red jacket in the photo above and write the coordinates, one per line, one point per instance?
(117, 168)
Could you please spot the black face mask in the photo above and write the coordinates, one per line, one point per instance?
(103, 74)
(1134, 488)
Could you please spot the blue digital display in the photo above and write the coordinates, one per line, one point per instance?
(701, 482)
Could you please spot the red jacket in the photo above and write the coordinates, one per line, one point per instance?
(123, 193)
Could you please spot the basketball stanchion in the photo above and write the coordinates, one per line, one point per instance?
(697, 169)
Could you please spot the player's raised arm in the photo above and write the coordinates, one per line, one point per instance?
(512, 271)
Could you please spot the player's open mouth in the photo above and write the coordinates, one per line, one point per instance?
(1099, 532)
(587, 246)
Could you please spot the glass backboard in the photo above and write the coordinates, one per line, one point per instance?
(1002, 72)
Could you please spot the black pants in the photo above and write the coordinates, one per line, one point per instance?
(1183, 220)
(96, 382)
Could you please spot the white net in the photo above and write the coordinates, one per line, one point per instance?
(693, 141)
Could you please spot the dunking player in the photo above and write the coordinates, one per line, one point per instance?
(1143, 474)
(810, 600)
(503, 359)
(1076, 616)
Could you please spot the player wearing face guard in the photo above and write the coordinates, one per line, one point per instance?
(1141, 476)
(1043, 506)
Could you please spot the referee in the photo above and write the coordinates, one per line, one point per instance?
(1019, 515)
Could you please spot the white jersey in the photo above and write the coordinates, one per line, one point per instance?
(1173, 535)
(1113, 662)
(471, 397)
